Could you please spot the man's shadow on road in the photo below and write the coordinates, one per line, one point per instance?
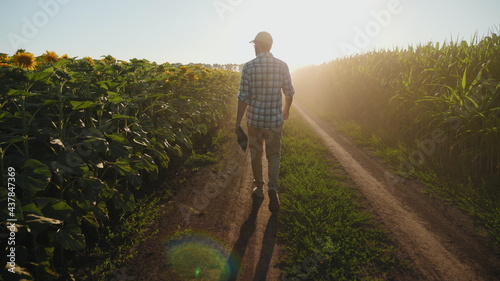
(266, 253)
(233, 264)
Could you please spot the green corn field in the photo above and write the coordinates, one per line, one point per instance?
(441, 101)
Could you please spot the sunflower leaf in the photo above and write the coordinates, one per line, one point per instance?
(40, 75)
(77, 105)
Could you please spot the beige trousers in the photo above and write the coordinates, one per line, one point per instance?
(271, 138)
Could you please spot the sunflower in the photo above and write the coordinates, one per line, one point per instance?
(3, 64)
(5, 58)
(91, 60)
(205, 72)
(109, 59)
(192, 76)
(25, 60)
(50, 57)
(65, 56)
(183, 69)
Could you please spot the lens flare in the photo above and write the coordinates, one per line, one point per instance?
(197, 256)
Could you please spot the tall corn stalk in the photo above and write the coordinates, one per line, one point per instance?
(448, 92)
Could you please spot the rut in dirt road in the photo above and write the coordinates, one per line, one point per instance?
(442, 247)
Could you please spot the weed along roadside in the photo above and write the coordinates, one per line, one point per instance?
(326, 232)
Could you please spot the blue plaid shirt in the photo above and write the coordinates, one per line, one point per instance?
(262, 82)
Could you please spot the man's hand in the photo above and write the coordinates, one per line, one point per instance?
(286, 114)
(286, 110)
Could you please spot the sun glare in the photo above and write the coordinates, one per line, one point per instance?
(304, 32)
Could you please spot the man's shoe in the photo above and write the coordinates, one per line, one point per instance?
(274, 201)
(259, 192)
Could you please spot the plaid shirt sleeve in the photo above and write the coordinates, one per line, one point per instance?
(287, 88)
(244, 95)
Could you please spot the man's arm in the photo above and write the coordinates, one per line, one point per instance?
(243, 98)
(286, 110)
(288, 91)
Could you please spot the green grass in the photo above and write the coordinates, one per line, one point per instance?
(327, 233)
(372, 141)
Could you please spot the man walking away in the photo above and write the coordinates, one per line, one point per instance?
(263, 81)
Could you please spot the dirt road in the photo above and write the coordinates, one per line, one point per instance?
(444, 243)
(215, 210)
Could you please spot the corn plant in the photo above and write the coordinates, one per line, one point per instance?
(437, 106)
(407, 95)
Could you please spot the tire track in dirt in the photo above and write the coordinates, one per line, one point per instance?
(440, 249)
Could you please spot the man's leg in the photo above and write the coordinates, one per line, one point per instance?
(255, 144)
(273, 155)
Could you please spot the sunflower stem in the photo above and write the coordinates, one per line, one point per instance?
(23, 117)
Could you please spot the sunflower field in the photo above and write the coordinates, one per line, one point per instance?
(84, 138)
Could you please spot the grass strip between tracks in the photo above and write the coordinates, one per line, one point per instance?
(327, 233)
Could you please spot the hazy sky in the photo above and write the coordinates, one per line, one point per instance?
(218, 31)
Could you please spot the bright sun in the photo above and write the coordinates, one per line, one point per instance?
(304, 32)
